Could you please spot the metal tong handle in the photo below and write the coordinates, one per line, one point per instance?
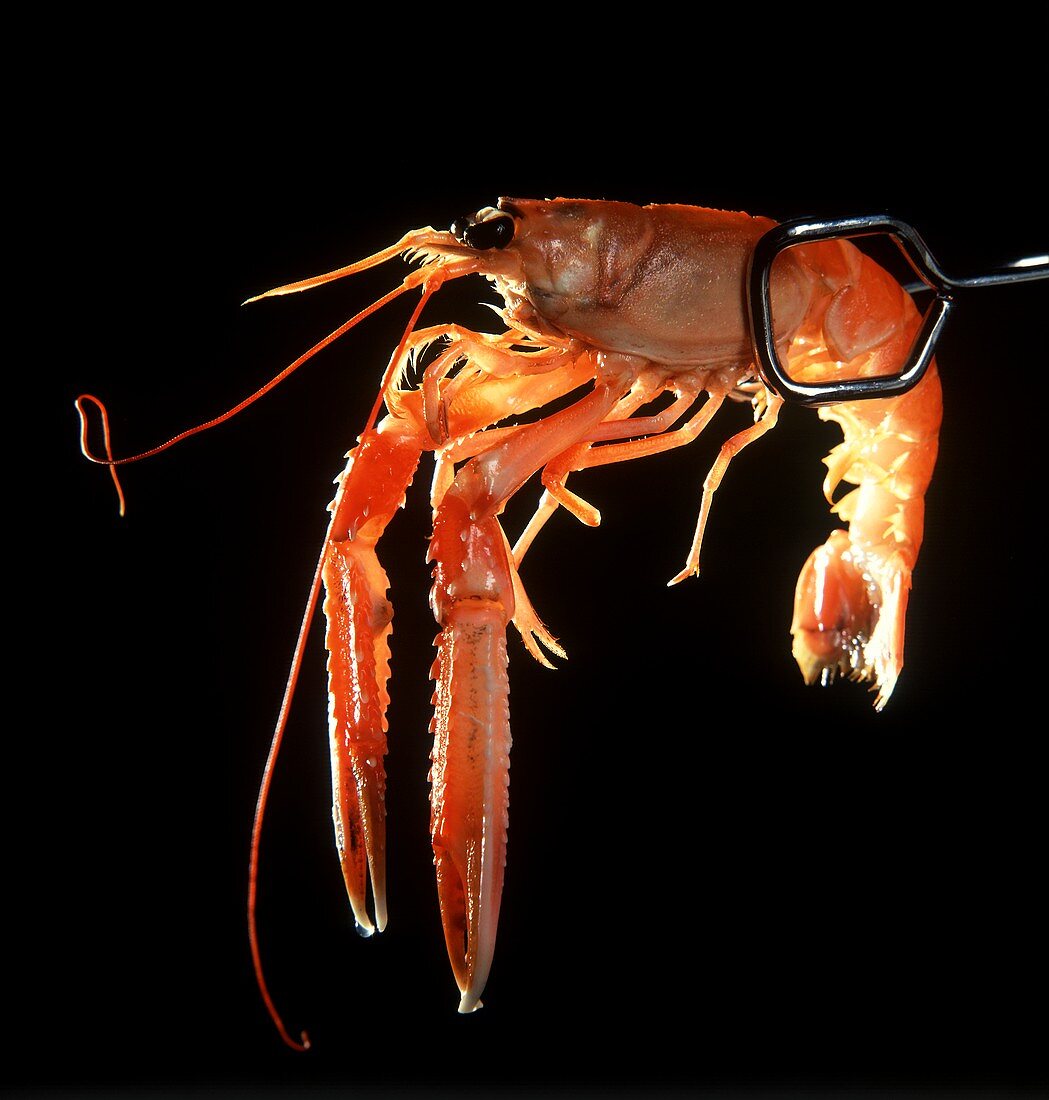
(801, 230)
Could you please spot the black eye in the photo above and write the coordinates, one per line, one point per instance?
(493, 233)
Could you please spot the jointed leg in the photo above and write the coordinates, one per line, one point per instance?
(728, 452)
(474, 596)
(584, 457)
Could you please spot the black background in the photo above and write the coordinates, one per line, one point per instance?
(716, 875)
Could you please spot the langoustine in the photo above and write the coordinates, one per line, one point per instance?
(623, 304)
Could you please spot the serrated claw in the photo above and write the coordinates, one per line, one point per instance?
(470, 801)
(359, 624)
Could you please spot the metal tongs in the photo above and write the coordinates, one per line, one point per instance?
(803, 230)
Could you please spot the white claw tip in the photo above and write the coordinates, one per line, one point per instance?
(380, 908)
(364, 930)
(469, 1003)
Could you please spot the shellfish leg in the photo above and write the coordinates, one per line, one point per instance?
(358, 614)
(473, 600)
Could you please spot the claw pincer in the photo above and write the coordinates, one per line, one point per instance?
(359, 624)
(473, 602)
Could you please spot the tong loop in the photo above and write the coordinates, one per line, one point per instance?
(802, 230)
